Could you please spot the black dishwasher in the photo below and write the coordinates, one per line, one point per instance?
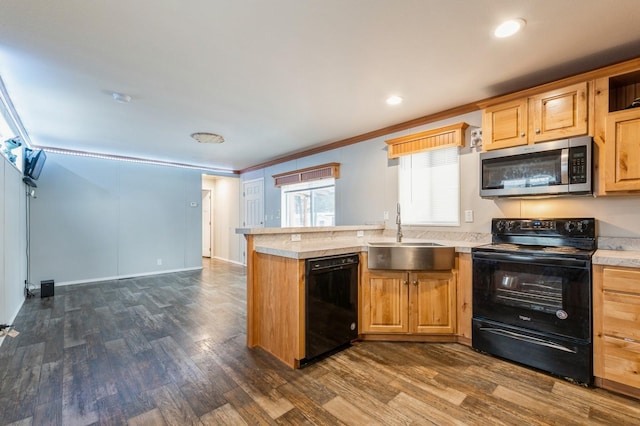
(331, 320)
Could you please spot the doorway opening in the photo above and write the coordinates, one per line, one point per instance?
(207, 219)
(220, 218)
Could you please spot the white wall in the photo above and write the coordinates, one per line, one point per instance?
(13, 263)
(368, 186)
(225, 192)
(96, 219)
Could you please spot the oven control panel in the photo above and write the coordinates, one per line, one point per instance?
(538, 224)
(549, 227)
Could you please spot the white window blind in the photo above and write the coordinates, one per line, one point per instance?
(429, 187)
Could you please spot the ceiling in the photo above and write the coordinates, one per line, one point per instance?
(280, 76)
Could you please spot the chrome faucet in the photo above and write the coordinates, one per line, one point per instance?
(399, 223)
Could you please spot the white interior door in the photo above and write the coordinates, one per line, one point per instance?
(206, 223)
(253, 192)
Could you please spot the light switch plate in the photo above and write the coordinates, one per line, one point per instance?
(468, 216)
(359, 233)
(295, 237)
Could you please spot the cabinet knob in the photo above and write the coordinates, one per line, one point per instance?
(537, 131)
(405, 282)
(415, 282)
(522, 135)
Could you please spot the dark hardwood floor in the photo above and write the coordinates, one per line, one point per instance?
(170, 349)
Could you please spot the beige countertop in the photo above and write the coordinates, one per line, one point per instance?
(319, 248)
(336, 240)
(626, 258)
(308, 229)
(615, 251)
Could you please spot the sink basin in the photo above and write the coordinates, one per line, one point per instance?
(410, 256)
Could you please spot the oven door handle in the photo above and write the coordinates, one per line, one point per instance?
(511, 257)
(529, 339)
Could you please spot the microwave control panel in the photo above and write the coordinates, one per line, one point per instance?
(578, 164)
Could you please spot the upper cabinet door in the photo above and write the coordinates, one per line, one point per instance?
(559, 114)
(504, 125)
(556, 114)
(623, 151)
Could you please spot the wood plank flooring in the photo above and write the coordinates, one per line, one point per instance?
(170, 350)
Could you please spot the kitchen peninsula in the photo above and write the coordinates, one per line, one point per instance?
(276, 277)
(275, 292)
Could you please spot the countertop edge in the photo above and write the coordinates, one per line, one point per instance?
(299, 251)
(305, 230)
(623, 258)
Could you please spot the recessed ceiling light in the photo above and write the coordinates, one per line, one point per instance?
(123, 98)
(205, 137)
(509, 28)
(394, 100)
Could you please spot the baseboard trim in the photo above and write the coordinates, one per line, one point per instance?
(616, 387)
(123, 277)
(228, 260)
(12, 320)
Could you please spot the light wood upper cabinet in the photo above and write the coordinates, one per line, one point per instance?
(618, 131)
(554, 114)
(617, 328)
(622, 148)
(505, 125)
(559, 113)
(408, 302)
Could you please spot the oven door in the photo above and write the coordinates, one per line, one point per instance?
(545, 293)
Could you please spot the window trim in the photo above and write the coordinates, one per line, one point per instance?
(442, 137)
(323, 171)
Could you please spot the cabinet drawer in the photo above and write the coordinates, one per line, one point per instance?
(621, 280)
(622, 361)
(621, 315)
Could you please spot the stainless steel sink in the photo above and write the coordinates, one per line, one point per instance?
(410, 256)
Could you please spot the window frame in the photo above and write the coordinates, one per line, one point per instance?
(414, 212)
(310, 186)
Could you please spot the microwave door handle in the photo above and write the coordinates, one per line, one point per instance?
(564, 166)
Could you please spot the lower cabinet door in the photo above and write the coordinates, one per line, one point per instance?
(385, 302)
(622, 361)
(432, 297)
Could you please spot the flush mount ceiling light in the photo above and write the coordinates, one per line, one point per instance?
(394, 100)
(509, 28)
(122, 98)
(205, 137)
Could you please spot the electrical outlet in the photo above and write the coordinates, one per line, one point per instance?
(295, 237)
(159, 262)
(468, 216)
(476, 137)
(385, 215)
(359, 233)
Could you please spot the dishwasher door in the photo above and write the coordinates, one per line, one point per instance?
(331, 305)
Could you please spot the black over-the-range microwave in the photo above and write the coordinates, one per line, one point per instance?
(561, 167)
